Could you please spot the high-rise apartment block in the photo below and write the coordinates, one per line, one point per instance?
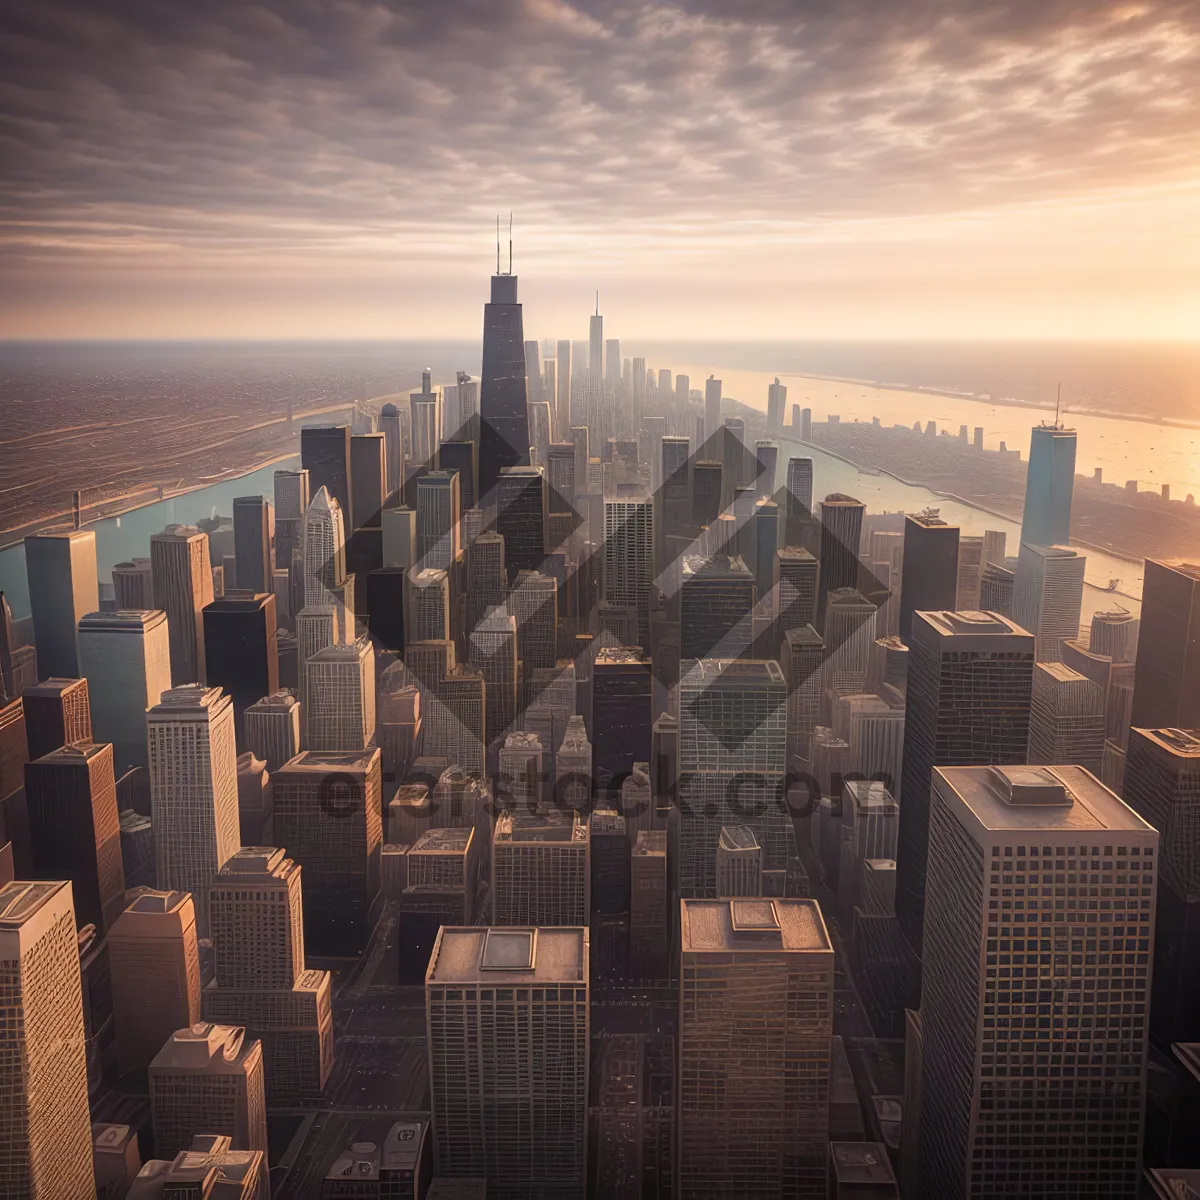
(155, 969)
(63, 587)
(756, 1019)
(273, 728)
(629, 556)
(929, 580)
(126, 658)
(541, 869)
(183, 586)
(45, 1128)
(1047, 1101)
(498, 1001)
(439, 519)
(717, 594)
(327, 815)
(193, 788)
(208, 1078)
(970, 678)
(74, 828)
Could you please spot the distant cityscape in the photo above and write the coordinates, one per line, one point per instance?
(553, 790)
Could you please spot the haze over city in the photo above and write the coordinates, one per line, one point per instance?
(760, 170)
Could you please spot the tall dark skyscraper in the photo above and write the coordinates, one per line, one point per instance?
(1166, 686)
(240, 639)
(841, 531)
(521, 517)
(504, 421)
(970, 685)
(621, 712)
(930, 576)
(325, 455)
(253, 526)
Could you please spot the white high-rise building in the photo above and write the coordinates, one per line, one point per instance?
(193, 789)
(341, 697)
(183, 586)
(1034, 1008)
(126, 658)
(427, 605)
(61, 569)
(1047, 596)
(849, 640)
(45, 1127)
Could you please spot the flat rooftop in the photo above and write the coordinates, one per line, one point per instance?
(19, 900)
(730, 672)
(1060, 672)
(443, 841)
(316, 762)
(861, 1163)
(752, 925)
(1178, 743)
(539, 827)
(738, 837)
(972, 623)
(472, 954)
(1035, 798)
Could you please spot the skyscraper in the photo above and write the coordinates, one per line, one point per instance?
(596, 344)
(45, 1128)
(1166, 689)
(776, 400)
(970, 678)
(256, 915)
(76, 833)
(1066, 722)
(541, 869)
(325, 455)
(795, 576)
(427, 605)
(504, 423)
(327, 814)
(849, 639)
(534, 605)
(520, 500)
(1049, 486)
(193, 788)
(57, 713)
(498, 1112)
(253, 534)
(841, 532)
(133, 584)
(461, 459)
(629, 557)
(1047, 596)
(712, 408)
(126, 658)
(563, 413)
(341, 697)
(929, 579)
(324, 551)
(273, 728)
(1162, 785)
(1015, 1107)
(622, 689)
(717, 594)
(393, 449)
(63, 586)
(798, 513)
(970, 570)
(438, 519)
(493, 651)
(208, 1078)
(241, 651)
(368, 470)
(612, 360)
(426, 428)
(756, 1018)
(182, 588)
(155, 969)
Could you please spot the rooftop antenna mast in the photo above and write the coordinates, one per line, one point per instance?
(1057, 407)
(510, 243)
(597, 302)
(497, 243)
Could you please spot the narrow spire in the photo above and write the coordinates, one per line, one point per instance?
(510, 243)
(1058, 406)
(497, 243)
(597, 302)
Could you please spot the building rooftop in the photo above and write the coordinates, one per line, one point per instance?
(650, 842)
(804, 638)
(928, 520)
(20, 900)
(202, 1047)
(840, 498)
(729, 672)
(522, 740)
(322, 762)
(1050, 551)
(1061, 673)
(258, 863)
(540, 827)
(738, 837)
(607, 820)
(551, 954)
(52, 687)
(848, 597)
(869, 794)
(798, 553)
(731, 566)
(443, 841)
(249, 603)
(159, 903)
(194, 699)
(1045, 799)
(752, 925)
(973, 624)
(1177, 743)
(75, 754)
(860, 1163)
(124, 620)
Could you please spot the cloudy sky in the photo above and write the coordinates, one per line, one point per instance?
(733, 168)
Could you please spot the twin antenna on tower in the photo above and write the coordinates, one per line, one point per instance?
(509, 244)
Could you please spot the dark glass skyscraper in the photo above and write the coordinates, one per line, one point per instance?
(240, 640)
(930, 573)
(325, 455)
(1165, 692)
(504, 421)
